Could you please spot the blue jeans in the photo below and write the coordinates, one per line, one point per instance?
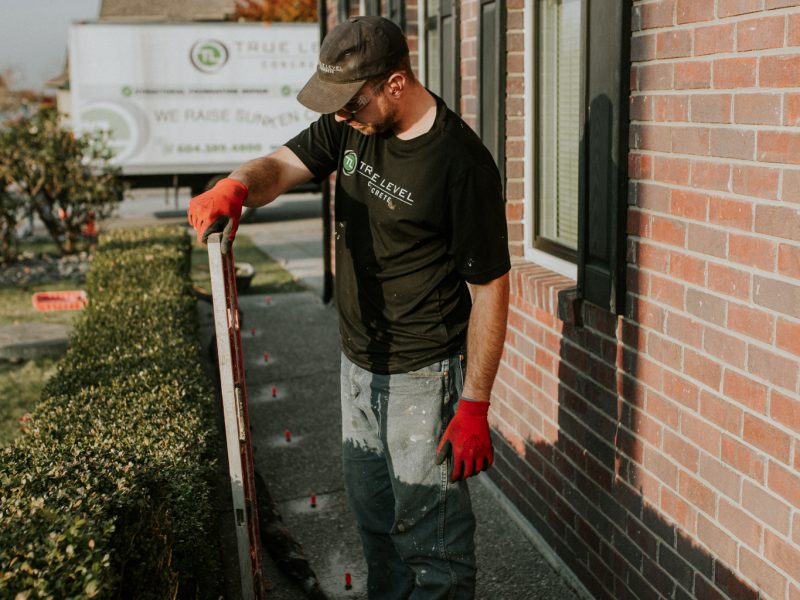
(417, 527)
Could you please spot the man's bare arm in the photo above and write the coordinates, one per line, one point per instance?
(485, 337)
(270, 176)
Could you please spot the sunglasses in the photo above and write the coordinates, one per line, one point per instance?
(357, 103)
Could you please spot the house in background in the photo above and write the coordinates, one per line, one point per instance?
(174, 10)
(646, 415)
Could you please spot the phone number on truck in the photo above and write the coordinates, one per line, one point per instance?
(208, 148)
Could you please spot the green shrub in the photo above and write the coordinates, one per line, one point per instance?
(107, 494)
(67, 180)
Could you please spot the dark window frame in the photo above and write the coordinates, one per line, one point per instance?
(603, 151)
(497, 48)
(396, 11)
(342, 10)
(449, 71)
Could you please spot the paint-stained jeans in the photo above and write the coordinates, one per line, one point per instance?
(417, 528)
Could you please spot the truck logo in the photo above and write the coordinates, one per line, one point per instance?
(209, 56)
(124, 123)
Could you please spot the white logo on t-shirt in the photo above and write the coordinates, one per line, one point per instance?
(381, 187)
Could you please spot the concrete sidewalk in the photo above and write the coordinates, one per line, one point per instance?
(300, 336)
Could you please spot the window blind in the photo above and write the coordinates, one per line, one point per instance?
(559, 120)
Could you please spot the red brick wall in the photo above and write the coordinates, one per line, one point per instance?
(658, 452)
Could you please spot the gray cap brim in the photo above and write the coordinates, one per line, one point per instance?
(327, 97)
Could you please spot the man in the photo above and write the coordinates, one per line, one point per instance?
(419, 215)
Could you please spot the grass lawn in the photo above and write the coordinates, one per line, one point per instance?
(16, 305)
(21, 384)
(270, 277)
(20, 388)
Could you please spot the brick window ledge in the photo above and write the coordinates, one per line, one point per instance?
(545, 290)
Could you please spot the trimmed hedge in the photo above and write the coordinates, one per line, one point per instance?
(108, 493)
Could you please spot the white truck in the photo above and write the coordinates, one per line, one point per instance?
(186, 103)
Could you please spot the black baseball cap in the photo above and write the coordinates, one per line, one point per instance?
(352, 53)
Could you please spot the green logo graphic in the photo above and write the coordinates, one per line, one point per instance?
(349, 162)
(127, 91)
(286, 90)
(209, 56)
(124, 128)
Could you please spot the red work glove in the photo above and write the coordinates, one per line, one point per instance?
(218, 209)
(467, 436)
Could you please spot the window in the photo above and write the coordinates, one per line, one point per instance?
(396, 11)
(559, 125)
(441, 60)
(342, 10)
(492, 79)
(577, 69)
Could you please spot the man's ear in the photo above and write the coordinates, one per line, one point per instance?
(396, 83)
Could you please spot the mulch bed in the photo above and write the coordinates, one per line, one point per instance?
(36, 269)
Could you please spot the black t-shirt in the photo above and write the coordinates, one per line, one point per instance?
(415, 220)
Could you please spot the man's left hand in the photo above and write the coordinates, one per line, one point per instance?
(467, 436)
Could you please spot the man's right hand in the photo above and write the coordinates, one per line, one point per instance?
(218, 209)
